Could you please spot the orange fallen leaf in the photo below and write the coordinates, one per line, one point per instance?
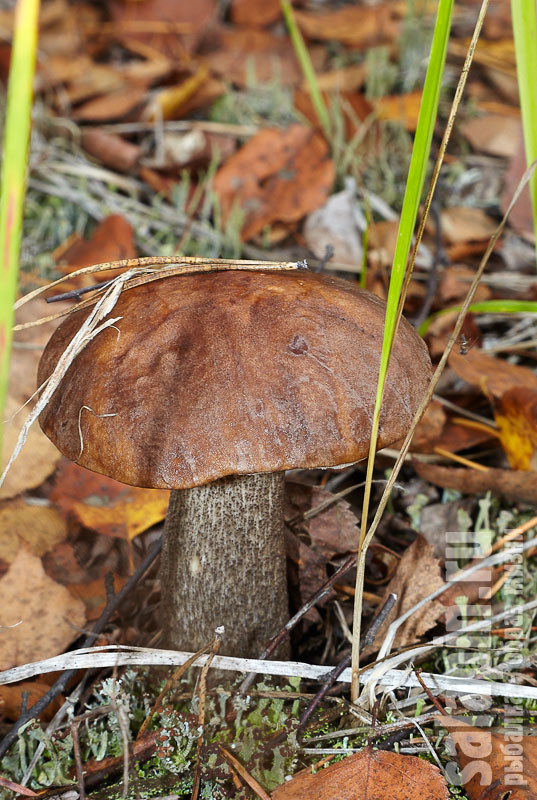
(368, 775)
(521, 217)
(40, 527)
(255, 13)
(112, 240)
(355, 25)
(11, 699)
(107, 506)
(112, 106)
(278, 176)
(39, 618)
(515, 485)
(37, 459)
(494, 376)
(495, 765)
(403, 108)
(244, 54)
(173, 27)
(515, 413)
(94, 594)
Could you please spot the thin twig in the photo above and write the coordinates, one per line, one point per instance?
(219, 632)
(78, 760)
(429, 694)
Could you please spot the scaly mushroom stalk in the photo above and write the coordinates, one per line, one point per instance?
(223, 563)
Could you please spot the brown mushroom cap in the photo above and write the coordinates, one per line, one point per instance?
(231, 372)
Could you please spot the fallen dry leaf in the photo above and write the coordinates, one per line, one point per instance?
(493, 134)
(355, 108)
(495, 765)
(11, 699)
(40, 527)
(94, 594)
(333, 531)
(168, 102)
(255, 13)
(110, 149)
(105, 505)
(515, 413)
(515, 485)
(429, 429)
(246, 54)
(354, 25)
(495, 376)
(334, 224)
(455, 283)
(115, 105)
(112, 240)
(521, 217)
(307, 571)
(417, 575)
(466, 224)
(36, 461)
(173, 27)
(278, 176)
(403, 108)
(368, 775)
(50, 617)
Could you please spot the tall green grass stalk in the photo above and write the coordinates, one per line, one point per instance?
(367, 534)
(304, 59)
(524, 14)
(413, 192)
(14, 164)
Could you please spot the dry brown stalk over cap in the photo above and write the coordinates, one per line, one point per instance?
(219, 382)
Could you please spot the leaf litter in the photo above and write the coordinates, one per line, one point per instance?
(76, 67)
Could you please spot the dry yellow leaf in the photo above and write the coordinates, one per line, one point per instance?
(40, 527)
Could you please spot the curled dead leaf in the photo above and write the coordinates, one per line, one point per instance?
(516, 486)
(417, 575)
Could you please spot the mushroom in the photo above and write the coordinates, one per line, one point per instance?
(215, 385)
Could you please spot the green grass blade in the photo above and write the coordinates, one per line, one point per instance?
(14, 163)
(524, 13)
(485, 307)
(304, 60)
(413, 192)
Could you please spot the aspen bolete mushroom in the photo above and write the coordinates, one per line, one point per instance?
(219, 382)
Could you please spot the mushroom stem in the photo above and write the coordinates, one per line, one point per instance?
(223, 563)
